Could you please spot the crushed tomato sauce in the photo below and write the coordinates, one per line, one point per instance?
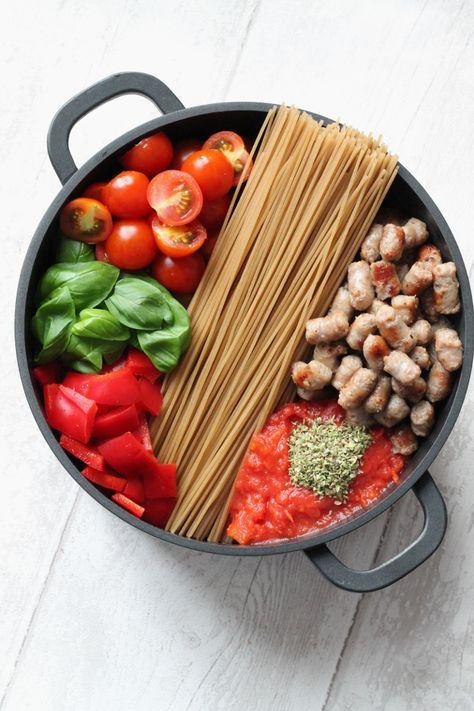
(266, 506)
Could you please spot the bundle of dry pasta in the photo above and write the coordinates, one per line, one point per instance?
(308, 203)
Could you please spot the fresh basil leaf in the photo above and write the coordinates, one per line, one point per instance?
(100, 324)
(83, 354)
(165, 346)
(114, 354)
(138, 303)
(89, 282)
(51, 324)
(73, 251)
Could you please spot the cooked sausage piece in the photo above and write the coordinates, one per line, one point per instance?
(422, 418)
(375, 349)
(360, 328)
(403, 440)
(446, 288)
(360, 285)
(358, 416)
(418, 278)
(370, 250)
(311, 376)
(401, 366)
(422, 332)
(448, 348)
(375, 305)
(412, 392)
(392, 243)
(328, 328)
(428, 305)
(406, 307)
(379, 397)
(395, 331)
(357, 388)
(385, 279)
(419, 355)
(396, 411)
(415, 232)
(342, 302)
(348, 367)
(329, 353)
(307, 394)
(438, 385)
(431, 254)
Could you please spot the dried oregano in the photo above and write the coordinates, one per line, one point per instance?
(325, 456)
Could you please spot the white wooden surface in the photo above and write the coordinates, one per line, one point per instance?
(95, 615)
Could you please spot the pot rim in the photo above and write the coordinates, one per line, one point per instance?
(309, 540)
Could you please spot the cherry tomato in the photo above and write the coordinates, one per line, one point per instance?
(213, 212)
(209, 244)
(100, 253)
(95, 191)
(125, 195)
(182, 150)
(212, 171)
(181, 275)
(85, 220)
(150, 156)
(178, 241)
(131, 244)
(176, 197)
(233, 147)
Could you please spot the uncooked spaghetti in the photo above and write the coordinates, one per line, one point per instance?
(312, 194)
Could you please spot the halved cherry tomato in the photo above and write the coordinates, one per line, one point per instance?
(150, 156)
(125, 195)
(178, 241)
(100, 253)
(233, 147)
(85, 220)
(176, 197)
(212, 171)
(214, 211)
(131, 244)
(182, 274)
(95, 191)
(182, 150)
(208, 246)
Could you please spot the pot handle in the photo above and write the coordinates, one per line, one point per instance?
(434, 527)
(95, 95)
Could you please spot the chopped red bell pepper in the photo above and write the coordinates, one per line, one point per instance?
(142, 433)
(161, 483)
(83, 403)
(130, 458)
(66, 415)
(119, 387)
(106, 479)
(134, 490)
(116, 422)
(48, 373)
(139, 364)
(129, 505)
(150, 396)
(88, 454)
(158, 511)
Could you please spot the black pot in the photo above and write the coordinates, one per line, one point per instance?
(246, 118)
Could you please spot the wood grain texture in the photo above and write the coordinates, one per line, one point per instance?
(96, 615)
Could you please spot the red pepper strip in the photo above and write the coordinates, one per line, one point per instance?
(150, 396)
(116, 422)
(49, 373)
(129, 505)
(128, 456)
(119, 387)
(88, 454)
(142, 433)
(105, 478)
(139, 364)
(134, 490)
(86, 404)
(158, 511)
(65, 415)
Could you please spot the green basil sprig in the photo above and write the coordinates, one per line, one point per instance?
(101, 325)
(52, 322)
(139, 304)
(73, 251)
(89, 282)
(165, 346)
